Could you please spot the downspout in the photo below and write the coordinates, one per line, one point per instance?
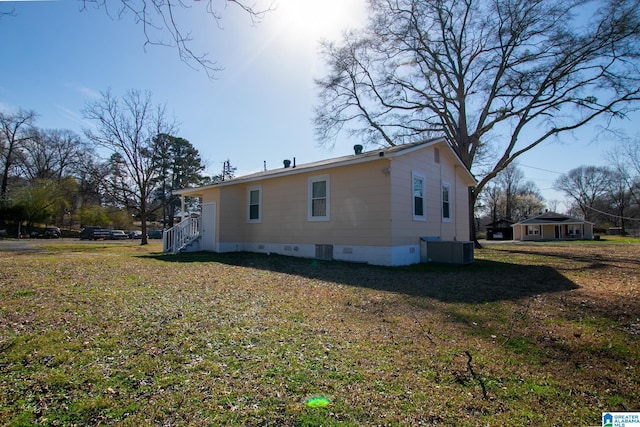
(439, 199)
(455, 195)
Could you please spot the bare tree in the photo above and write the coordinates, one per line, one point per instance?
(509, 196)
(619, 197)
(632, 153)
(51, 154)
(624, 192)
(586, 186)
(511, 178)
(553, 205)
(625, 160)
(496, 77)
(492, 196)
(15, 130)
(164, 22)
(127, 127)
(92, 180)
(528, 202)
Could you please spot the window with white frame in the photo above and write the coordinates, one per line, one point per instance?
(575, 230)
(533, 230)
(446, 202)
(319, 202)
(254, 203)
(418, 200)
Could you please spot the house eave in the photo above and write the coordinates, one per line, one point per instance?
(571, 222)
(369, 156)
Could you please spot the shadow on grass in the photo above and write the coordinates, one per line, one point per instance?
(593, 261)
(483, 281)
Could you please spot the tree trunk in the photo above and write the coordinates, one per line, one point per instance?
(472, 220)
(143, 223)
(5, 173)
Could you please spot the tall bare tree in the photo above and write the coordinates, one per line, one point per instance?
(625, 160)
(509, 196)
(126, 126)
(511, 178)
(496, 77)
(586, 186)
(619, 197)
(15, 131)
(51, 154)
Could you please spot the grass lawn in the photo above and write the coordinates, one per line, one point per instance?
(119, 334)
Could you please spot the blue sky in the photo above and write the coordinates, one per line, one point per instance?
(56, 58)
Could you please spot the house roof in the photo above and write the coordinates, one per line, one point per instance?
(367, 156)
(500, 223)
(551, 218)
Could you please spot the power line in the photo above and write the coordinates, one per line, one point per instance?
(540, 169)
(612, 215)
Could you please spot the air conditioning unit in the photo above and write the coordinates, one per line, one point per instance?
(448, 252)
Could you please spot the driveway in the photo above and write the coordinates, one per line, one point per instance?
(14, 245)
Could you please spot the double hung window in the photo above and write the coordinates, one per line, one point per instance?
(418, 202)
(533, 230)
(446, 202)
(319, 203)
(254, 202)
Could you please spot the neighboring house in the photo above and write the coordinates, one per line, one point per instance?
(500, 230)
(552, 226)
(371, 207)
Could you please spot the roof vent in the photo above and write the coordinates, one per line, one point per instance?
(357, 149)
(287, 163)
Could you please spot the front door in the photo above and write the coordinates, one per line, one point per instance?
(208, 224)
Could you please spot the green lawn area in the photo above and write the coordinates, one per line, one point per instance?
(119, 334)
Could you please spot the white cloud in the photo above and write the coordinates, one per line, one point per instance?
(75, 117)
(84, 90)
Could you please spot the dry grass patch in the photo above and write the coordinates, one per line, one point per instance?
(122, 335)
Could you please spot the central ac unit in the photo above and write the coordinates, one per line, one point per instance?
(449, 252)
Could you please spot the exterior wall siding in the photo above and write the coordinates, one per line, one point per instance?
(360, 209)
(406, 230)
(231, 213)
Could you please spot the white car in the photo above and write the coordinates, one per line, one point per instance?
(117, 235)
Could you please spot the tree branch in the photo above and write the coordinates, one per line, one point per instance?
(159, 17)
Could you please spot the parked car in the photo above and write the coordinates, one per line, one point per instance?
(156, 234)
(117, 235)
(51, 232)
(94, 233)
(135, 234)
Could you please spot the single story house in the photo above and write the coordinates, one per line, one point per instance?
(552, 226)
(378, 207)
